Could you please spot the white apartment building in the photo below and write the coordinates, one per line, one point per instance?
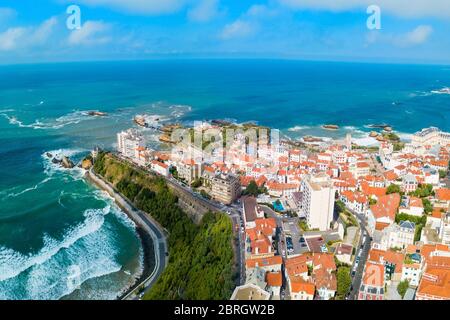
(318, 201)
(398, 235)
(128, 142)
(444, 231)
(430, 136)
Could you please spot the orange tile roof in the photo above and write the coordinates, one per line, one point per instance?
(274, 279)
(373, 275)
(299, 285)
(381, 256)
(390, 175)
(435, 283)
(437, 213)
(369, 191)
(415, 202)
(443, 194)
(386, 206)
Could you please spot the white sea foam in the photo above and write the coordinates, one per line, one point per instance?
(12, 263)
(179, 110)
(441, 91)
(51, 168)
(299, 128)
(60, 122)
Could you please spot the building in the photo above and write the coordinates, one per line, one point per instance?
(398, 236)
(326, 284)
(160, 168)
(250, 292)
(435, 283)
(372, 285)
(382, 214)
(444, 230)
(129, 142)
(430, 137)
(412, 206)
(225, 188)
(274, 282)
(189, 170)
(343, 253)
(251, 212)
(412, 269)
(318, 201)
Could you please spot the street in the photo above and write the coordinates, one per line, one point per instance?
(362, 253)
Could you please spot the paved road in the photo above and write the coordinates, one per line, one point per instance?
(376, 165)
(362, 251)
(150, 226)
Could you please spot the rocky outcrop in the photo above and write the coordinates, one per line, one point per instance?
(67, 163)
(86, 164)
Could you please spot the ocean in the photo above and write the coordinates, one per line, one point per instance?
(61, 238)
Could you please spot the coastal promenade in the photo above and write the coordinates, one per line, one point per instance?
(147, 226)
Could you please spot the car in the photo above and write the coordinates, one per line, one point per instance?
(353, 273)
(356, 260)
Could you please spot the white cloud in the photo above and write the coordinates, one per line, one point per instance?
(401, 8)
(10, 38)
(417, 36)
(43, 32)
(23, 37)
(238, 29)
(205, 11)
(91, 33)
(143, 7)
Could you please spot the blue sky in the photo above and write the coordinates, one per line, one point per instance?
(412, 31)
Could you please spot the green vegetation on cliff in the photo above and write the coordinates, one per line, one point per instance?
(201, 256)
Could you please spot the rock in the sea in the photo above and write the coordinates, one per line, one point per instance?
(388, 129)
(56, 161)
(49, 155)
(373, 134)
(67, 163)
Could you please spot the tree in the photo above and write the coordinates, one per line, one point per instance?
(344, 281)
(252, 189)
(427, 206)
(423, 191)
(442, 174)
(393, 188)
(402, 288)
(196, 183)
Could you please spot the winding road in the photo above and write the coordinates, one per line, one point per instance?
(150, 226)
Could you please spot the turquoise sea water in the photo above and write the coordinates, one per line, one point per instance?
(54, 227)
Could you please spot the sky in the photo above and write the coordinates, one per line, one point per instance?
(412, 31)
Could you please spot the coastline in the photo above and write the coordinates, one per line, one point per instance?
(152, 244)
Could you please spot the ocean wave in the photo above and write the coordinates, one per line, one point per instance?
(60, 122)
(12, 263)
(91, 258)
(299, 128)
(35, 187)
(179, 110)
(442, 91)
